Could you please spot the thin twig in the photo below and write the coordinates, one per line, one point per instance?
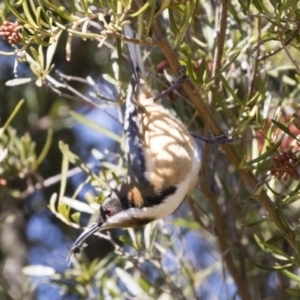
(185, 26)
(54, 85)
(285, 43)
(196, 216)
(221, 226)
(122, 37)
(88, 81)
(256, 64)
(218, 55)
(221, 26)
(51, 180)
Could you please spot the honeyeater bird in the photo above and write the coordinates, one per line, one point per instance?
(163, 161)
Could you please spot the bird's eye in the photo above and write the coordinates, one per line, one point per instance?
(108, 212)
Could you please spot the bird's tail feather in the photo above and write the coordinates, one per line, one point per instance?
(135, 55)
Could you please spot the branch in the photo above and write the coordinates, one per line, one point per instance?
(51, 181)
(208, 118)
(246, 173)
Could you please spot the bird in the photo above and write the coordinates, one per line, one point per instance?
(163, 161)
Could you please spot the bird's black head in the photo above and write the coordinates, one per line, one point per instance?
(115, 212)
(118, 212)
(111, 206)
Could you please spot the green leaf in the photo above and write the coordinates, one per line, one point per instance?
(82, 119)
(15, 12)
(133, 235)
(36, 56)
(187, 224)
(76, 217)
(173, 21)
(27, 14)
(84, 34)
(275, 239)
(268, 268)
(221, 103)
(260, 6)
(46, 148)
(38, 271)
(125, 239)
(266, 155)
(12, 115)
(61, 11)
(7, 53)
(150, 15)
(282, 217)
(275, 250)
(38, 17)
(17, 81)
(295, 292)
(249, 224)
(68, 156)
(201, 72)
(141, 10)
(190, 64)
(229, 89)
(78, 205)
(147, 235)
(129, 283)
(288, 80)
(52, 203)
(64, 170)
(291, 275)
(63, 209)
(51, 49)
(291, 198)
(284, 129)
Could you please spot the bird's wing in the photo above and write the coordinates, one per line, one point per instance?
(132, 125)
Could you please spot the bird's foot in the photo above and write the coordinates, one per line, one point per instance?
(179, 80)
(219, 139)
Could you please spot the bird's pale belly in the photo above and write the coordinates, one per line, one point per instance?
(172, 202)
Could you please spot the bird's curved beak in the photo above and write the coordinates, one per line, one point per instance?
(80, 240)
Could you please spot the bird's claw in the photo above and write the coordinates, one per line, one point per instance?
(222, 139)
(179, 80)
(219, 139)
